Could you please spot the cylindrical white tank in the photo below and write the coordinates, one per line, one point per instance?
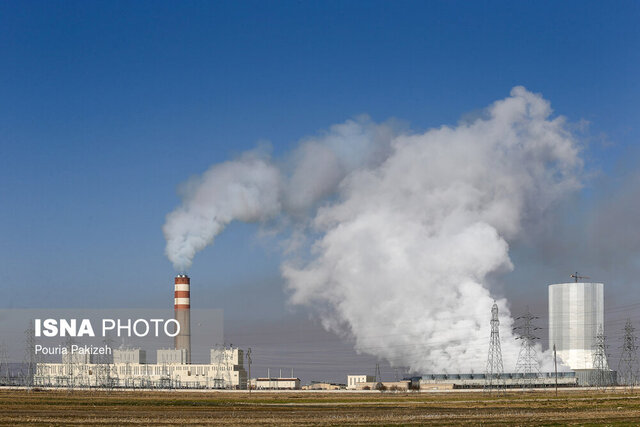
(576, 311)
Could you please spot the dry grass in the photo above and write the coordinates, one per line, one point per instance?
(170, 408)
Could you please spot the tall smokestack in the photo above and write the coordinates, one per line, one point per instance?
(182, 307)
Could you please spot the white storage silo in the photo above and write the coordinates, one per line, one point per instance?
(576, 310)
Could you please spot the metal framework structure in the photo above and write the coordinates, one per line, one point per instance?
(628, 364)
(30, 359)
(495, 369)
(602, 374)
(528, 364)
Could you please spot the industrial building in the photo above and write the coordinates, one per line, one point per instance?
(576, 317)
(275, 383)
(507, 380)
(576, 312)
(383, 385)
(323, 385)
(354, 380)
(173, 367)
(128, 369)
(576, 331)
(470, 381)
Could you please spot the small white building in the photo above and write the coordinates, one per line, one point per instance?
(353, 380)
(275, 383)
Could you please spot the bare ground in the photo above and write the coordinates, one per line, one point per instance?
(61, 407)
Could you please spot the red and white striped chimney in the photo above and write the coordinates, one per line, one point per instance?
(182, 308)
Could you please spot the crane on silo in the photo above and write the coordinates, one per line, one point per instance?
(576, 277)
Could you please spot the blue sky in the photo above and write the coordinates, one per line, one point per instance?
(106, 107)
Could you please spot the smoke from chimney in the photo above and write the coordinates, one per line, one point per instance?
(394, 233)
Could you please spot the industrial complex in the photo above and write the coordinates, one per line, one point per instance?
(173, 368)
(576, 334)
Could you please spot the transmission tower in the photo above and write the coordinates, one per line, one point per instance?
(249, 361)
(30, 359)
(601, 377)
(4, 375)
(103, 368)
(627, 366)
(528, 364)
(70, 359)
(494, 369)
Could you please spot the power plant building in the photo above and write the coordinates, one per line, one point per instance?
(129, 367)
(576, 312)
(226, 370)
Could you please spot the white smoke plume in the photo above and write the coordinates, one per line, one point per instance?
(409, 229)
(253, 189)
(247, 189)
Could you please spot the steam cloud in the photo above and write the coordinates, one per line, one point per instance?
(243, 190)
(396, 233)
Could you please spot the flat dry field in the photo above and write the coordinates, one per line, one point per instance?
(170, 408)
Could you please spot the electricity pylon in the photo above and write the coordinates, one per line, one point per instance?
(30, 359)
(602, 375)
(494, 370)
(528, 364)
(628, 364)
